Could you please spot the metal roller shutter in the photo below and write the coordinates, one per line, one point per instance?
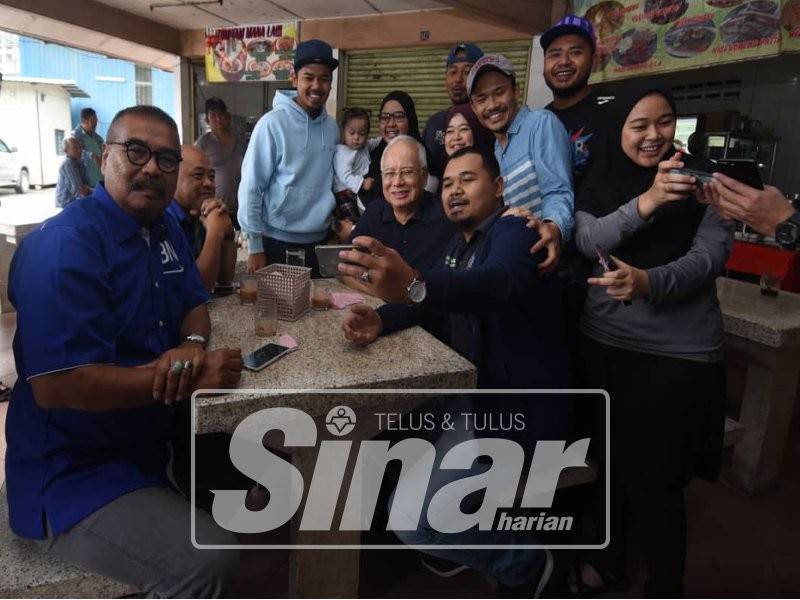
(368, 75)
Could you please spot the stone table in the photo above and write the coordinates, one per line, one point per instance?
(762, 334)
(411, 359)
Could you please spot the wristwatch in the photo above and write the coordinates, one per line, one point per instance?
(196, 338)
(787, 234)
(416, 289)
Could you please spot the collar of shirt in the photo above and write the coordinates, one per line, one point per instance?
(124, 226)
(516, 124)
(235, 134)
(79, 130)
(465, 249)
(423, 212)
(176, 210)
(487, 223)
(192, 227)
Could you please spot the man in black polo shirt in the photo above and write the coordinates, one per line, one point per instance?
(569, 51)
(410, 220)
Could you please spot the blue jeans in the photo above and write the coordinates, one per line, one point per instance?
(275, 252)
(511, 567)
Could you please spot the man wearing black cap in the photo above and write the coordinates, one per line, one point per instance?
(569, 50)
(459, 62)
(286, 194)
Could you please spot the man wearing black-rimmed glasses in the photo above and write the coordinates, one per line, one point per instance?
(111, 330)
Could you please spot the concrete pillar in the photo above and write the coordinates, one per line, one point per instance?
(185, 92)
(539, 94)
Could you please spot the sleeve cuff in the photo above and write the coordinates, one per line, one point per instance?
(255, 243)
(564, 238)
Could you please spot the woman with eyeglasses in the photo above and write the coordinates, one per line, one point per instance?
(397, 116)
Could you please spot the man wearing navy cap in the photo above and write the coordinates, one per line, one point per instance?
(110, 308)
(459, 62)
(569, 50)
(286, 193)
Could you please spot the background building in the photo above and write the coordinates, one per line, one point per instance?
(111, 84)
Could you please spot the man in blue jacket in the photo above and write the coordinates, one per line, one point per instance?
(286, 192)
(504, 317)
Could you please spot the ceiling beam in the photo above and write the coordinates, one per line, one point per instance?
(104, 19)
(526, 16)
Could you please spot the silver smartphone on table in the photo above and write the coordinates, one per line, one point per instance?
(328, 258)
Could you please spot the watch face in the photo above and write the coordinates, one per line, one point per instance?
(786, 233)
(416, 291)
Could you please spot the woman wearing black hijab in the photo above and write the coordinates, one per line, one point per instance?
(397, 116)
(652, 329)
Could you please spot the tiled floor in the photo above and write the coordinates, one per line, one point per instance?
(739, 546)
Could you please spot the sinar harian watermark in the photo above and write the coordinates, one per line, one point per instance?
(455, 461)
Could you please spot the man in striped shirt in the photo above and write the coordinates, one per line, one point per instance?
(533, 150)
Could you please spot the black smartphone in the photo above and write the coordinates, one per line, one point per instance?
(263, 356)
(745, 171)
(608, 264)
(328, 258)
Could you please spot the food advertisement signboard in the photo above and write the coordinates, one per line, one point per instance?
(790, 26)
(654, 36)
(250, 53)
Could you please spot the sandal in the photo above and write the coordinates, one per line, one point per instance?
(578, 585)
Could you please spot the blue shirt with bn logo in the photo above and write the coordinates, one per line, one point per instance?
(91, 286)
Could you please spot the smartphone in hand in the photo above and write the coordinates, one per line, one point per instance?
(328, 258)
(608, 264)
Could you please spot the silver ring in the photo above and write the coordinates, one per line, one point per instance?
(187, 364)
(177, 367)
(365, 277)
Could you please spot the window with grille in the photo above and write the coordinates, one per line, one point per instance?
(60, 142)
(144, 85)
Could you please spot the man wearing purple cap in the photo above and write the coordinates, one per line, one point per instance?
(569, 50)
(459, 63)
(532, 148)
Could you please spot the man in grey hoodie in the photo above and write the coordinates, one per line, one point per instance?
(285, 196)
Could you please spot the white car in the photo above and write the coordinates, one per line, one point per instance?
(13, 173)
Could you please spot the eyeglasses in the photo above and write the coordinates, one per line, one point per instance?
(405, 174)
(398, 116)
(140, 154)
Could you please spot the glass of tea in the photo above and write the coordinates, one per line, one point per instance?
(321, 298)
(770, 284)
(248, 290)
(266, 317)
